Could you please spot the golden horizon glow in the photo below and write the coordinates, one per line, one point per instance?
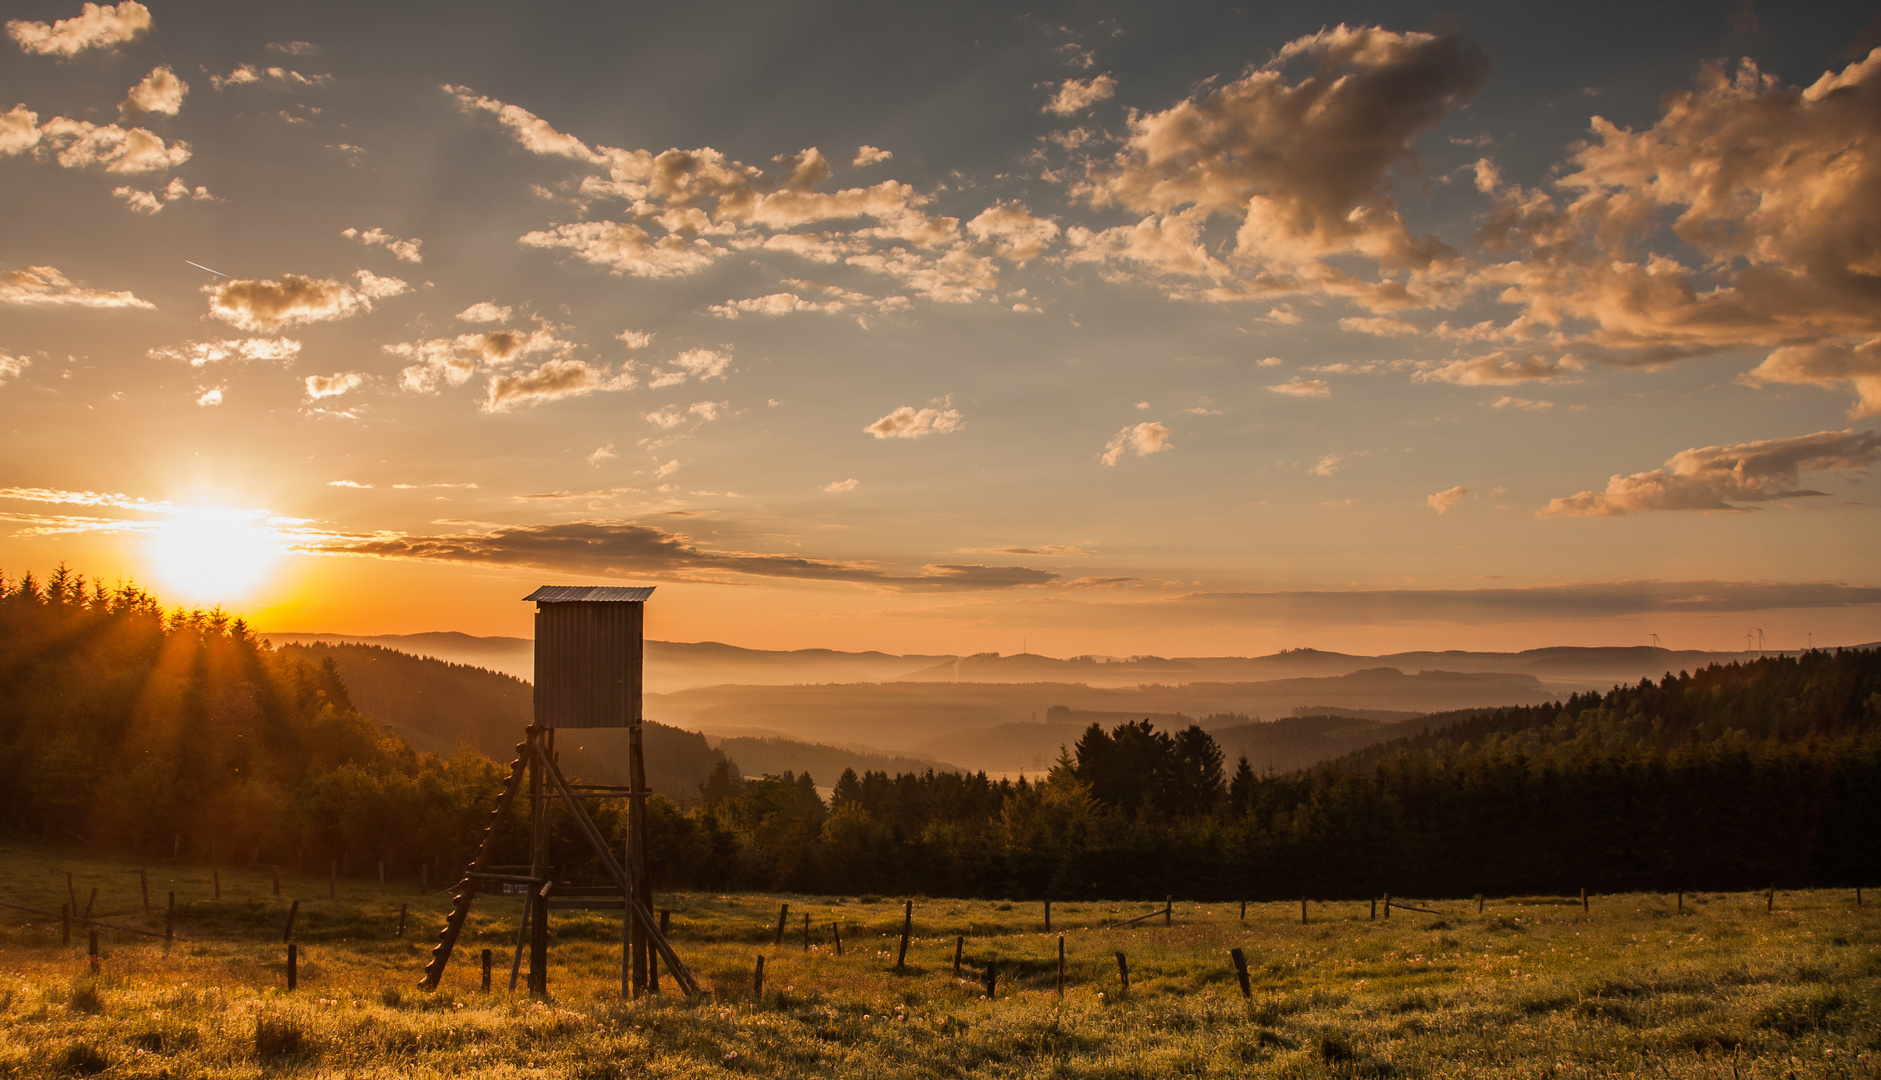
(214, 555)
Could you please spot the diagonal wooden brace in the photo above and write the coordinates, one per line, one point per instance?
(467, 888)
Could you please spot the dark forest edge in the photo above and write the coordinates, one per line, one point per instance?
(125, 727)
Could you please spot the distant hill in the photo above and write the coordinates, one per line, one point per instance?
(760, 756)
(443, 707)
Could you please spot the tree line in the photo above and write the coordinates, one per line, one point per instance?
(125, 726)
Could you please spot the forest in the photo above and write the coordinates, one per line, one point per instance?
(177, 733)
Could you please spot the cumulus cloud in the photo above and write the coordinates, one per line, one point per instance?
(553, 380)
(45, 286)
(624, 248)
(1300, 167)
(634, 339)
(210, 397)
(12, 366)
(81, 144)
(838, 487)
(1772, 195)
(1828, 364)
(1328, 465)
(454, 360)
(1149, 437)
(151, 202)
(703, 365)
(1442, 501)
(1077, 95)
(1302, 388)
(1013, 231)
(235, 350)
(326, 386)
(869, 155)
(602, 453)
(97, 26)
(160, 92)
(1500, 369)
(403, 250)
(484, 311)
(628, 548)
(1716, 477)
(1269, 361)
(264, 306)
(909, 422)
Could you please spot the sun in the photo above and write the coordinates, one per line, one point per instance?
(214, 556)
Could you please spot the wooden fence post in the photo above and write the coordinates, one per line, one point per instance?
(960, 945)
(1387, 905)
(487, 957)
(1374, 909)
(1123, 971)
(1240, 971)
(992, 978)
(836, 935)
(143, 884)
(783, 912)
(806, 931)
(287, 932)
(757, 981)
(1769, 901)
(1583, 901)
(293, 964)
(1682, 901)
(401, 921)
(1479, 903)
(907, 928)
(1169, 910)
(1858, 896)
(1302, 911)
(1061, 965)
(1244, 911)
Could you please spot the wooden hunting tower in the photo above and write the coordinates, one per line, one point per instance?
(588, 675)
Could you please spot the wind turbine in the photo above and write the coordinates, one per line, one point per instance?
(1759, 631)
(1655, 641)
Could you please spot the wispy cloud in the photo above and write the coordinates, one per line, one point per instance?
(1444, 501)
(909, 422)
(403, 250)
(45, 286)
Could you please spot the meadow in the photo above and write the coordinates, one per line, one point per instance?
(1736, 985)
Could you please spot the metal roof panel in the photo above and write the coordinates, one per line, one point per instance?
(575, 594)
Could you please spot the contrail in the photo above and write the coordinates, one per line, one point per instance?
(200, 266)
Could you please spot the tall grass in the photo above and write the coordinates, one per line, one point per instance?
(1530, 987)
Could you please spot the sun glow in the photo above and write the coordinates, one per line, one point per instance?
(214, 556)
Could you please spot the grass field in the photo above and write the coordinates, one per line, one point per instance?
(1531, 987)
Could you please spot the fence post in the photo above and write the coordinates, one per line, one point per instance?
(783, 912)
(287, 932)
(1374, 909)
(1682, 900)
(1244, 911)
(960, 944)
(143, 884)
(1240, 971)
(1123, 971)
(806, 931)
(907, 928)
(836, 935)
(1061, 965)
(1769, 901)
(293, 964)
(1479, 903)
(757, 981)
(992, 978)
(1387, 905)
(401, 921)
(1169, 910)
(1302, 911)
(486, 970)
(1583, 901)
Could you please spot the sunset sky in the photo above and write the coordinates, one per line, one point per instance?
(1158, 328)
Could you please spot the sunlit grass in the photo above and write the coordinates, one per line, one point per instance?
(1530, 987)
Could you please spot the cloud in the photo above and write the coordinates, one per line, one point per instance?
(1379, 326)
(909, 422)
(1149, 437)
(701, 364)
(46, 286)
(553, 380)
(774, 304)
(628, 548)
(1301, 168)
(1522, 403)
(81, 144)
(1772, 195)
(484, 311)
(12, 366)
(1077, 95)
(151, 202)
(1013, 231)
(1328, 465)
(210, 397)
(239, 350)
(262, 305)
(326, 386)
(1442, 501)
(1715, 477)
(96, 26)
(1500, 369)
(1828, 364)
(249, 74)
(349, 484)
(627, 249)
(1302, 388)
(1269, 361)
(1043, 549)
(160, 92)
(666, 418)
(868, 155)
(634, 339)
(403, 250)
(837, 487)
(292, 48)
(602, 453)
(454, 360)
